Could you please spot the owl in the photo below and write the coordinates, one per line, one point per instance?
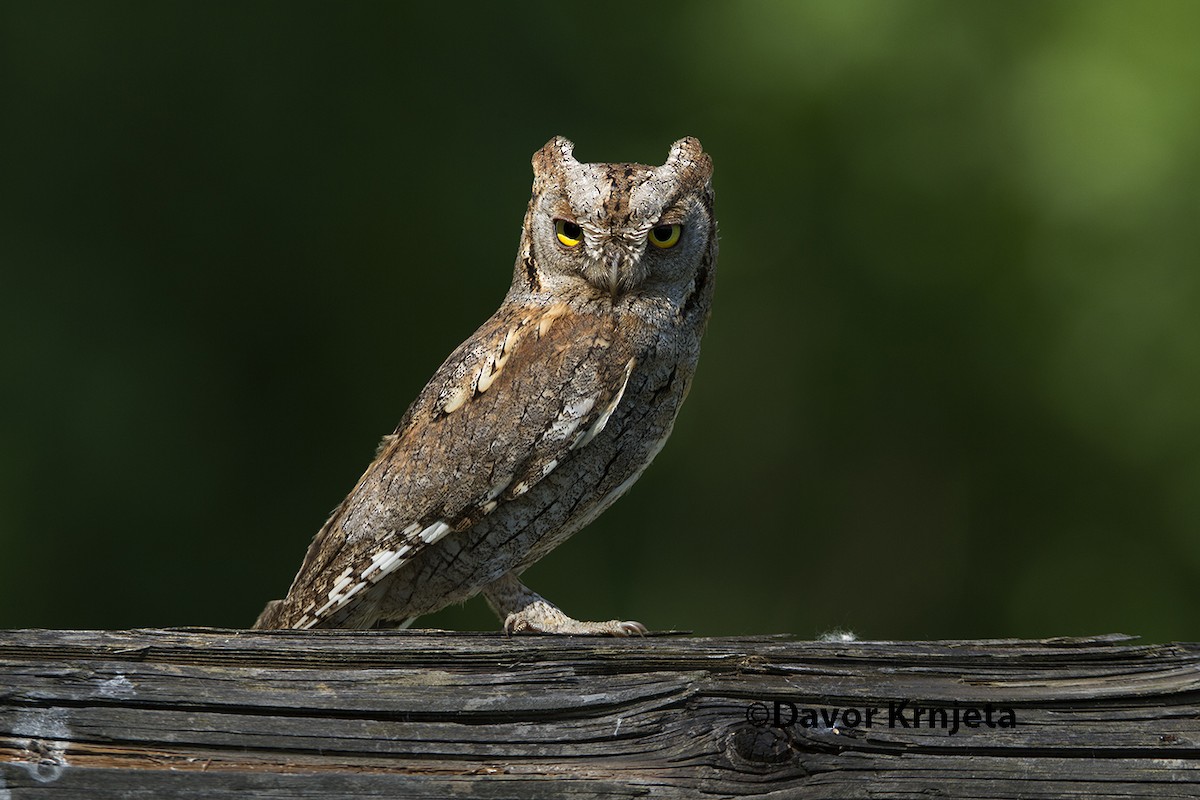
(540, 420)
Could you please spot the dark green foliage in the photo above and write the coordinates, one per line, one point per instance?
(951, 384)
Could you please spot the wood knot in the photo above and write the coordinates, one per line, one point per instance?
(761, 745)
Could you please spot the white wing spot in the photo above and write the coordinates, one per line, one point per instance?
(499, 488)
(598, 425)
(486, 377)
(337, 599)
(434, 532)
(343, 580)
(455, 400)
(552, 313)
(569, 420)
(385, 563)
(510, 341)
(377, 562)
(496, 363)
(549, 467)
(579, 407)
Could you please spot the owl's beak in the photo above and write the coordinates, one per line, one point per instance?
(614, 274)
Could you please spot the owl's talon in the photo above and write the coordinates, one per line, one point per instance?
(525, 611)
(560, 624)
(631, 628)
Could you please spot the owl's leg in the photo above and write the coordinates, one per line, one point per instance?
(524, 611)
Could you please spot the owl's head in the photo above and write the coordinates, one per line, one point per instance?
(614, 229)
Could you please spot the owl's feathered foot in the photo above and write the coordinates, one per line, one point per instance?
(525, 611)
(544, 617)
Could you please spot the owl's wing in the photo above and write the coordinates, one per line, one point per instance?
(509, 405)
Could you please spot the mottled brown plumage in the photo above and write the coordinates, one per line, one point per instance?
(542, 418)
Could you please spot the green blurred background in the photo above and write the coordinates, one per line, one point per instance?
(950, 385)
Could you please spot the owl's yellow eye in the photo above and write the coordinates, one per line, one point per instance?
(664, 236)
(568, 233)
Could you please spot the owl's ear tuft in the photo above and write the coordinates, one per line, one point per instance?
(688, 156)
(556, 153)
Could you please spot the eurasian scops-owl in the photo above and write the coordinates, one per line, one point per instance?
(542, 418)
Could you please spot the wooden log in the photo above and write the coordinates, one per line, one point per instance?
(223, 714)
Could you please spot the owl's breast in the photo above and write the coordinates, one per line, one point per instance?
(581, 485)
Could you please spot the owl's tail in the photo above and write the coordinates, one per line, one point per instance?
(271, 616)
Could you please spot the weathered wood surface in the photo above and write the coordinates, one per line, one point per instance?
(222, 714)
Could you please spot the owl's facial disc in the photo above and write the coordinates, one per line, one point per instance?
(620, 227)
